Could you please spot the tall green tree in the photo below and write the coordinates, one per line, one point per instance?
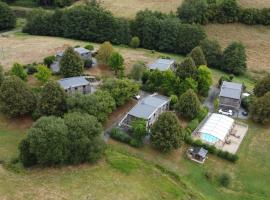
(71, 63)
(188, 105)
(104, 53)
(260, 109)
(193, 11)
(138, 128)
(234, 59)
(262, 86)
(16, 99)
(137, 71)
(46, 143)
(204, 80)
(7, 17)
(166, 133)
(43, 73)
(187, 84)
(84, 136)
(212, 52)
(18, 70)
(116, 63)
(187, 69)
(52, 100)
(198, 56)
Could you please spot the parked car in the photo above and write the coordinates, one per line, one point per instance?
(225, 112)
(244, 113)
(137, 97)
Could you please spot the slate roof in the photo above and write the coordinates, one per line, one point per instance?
(79, 50)
(161, 64)
(200, 151)
(73, 82)
(147, 106)
(231, 90)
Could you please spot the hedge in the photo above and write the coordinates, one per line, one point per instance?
(120, 135)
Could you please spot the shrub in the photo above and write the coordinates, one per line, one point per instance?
(138, 128)
(246, 102)
(1, 75)
(136, 143)
(119, 135)
(260, 109)
(43, 73)
(228, 11)
(7, 17)
(135, 42)
(198, 56)
(202, 113)
(192, 125)
(137, 71)
(104, 53)
(225, 179)
(49, 60)
(88, 63)
(204, 80)
(89, 47)
(18, 70)
(223, 78)
(116, 63)
(262, 86)
(187, 69)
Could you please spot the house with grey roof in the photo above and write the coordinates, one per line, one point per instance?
(149, 108)
(84, 53)
(230, 95)
(74, 85)
(162, 65)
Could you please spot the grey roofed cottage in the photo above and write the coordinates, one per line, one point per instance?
(162, 64)
(197, 154)
(230, 95)
(149, 108)
(75, 84)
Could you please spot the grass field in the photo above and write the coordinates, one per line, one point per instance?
(255, 3)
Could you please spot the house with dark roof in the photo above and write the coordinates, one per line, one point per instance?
(162, 65)
(149, 108)
(74, 85)
(230, 95)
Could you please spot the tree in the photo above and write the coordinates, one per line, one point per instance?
(260, 109)
(204, 80)
(137, 71)
(122, 90)
(187, 69)
(85, 143)
(99, 104)
(43, 73)
(138, 128)
(135, 42)
(187, 84)
(1, 75)
(262, 86)
(71, 63)
(188, 105)
(18, 70)
(7, 17)
(234, 59)
(104, 53)
(166, 133)
(116, 62)
(198, 57)
(52, 100)
(228, 11)
(212, 52)
(193, 11)
(49, 60)
(46, 142)
(225, 179)
(16, 99)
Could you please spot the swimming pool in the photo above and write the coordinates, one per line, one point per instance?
(209, 138)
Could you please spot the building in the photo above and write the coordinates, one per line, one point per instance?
(84, 53)
(162, 65)
(215, 129)
(149, 108)
(197, 154)
(74, 85)
(230, 95)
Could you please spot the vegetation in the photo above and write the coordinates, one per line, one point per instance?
(137, 71)
(260, 109)
(49, 60)
(7, 17)
(225, 179)
(16, 99)
(166, 133)
(52, 100)
(71, 63)
(204, 80)
(1, 75)
(43, 73)
(262, 86)
(187, 69)
(104, 53)
(188, 105)
(234, 59)
(116, 63)
(198, 57)
(135, 42)
(18, 70)
(139, 131)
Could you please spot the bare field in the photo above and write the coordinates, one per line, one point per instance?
(129, 8)
(255, 3)
(255, 38)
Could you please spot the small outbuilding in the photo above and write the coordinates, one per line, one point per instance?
(74, 85)
(162, 65)
(197, 154)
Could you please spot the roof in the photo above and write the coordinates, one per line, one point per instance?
(217, 125)
(200, 151)
(79, 50)
(231, 90)
(73, 82)
(161, 64)
(147, 106)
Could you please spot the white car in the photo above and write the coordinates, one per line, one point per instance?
(137, 97)
(225, 112)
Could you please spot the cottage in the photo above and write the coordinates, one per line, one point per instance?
(230, 95)
(148, 108)
(75, 85)
(197, 154)
(162, 65)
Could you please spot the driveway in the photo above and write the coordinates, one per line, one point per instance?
(209, 101)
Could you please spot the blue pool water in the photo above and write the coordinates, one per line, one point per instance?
(209, 138)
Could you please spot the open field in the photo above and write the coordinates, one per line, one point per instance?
(255, 38)
(255, 3)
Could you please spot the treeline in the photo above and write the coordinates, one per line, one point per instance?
(7, 17)
(156, 31)
(225, 11)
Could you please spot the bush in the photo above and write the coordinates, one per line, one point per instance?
(137, 71)
(18, 70)
(223, 78)
(260, 109)
(228, 11)
(31, 69)
(89, 47)
(88, 63)
(262, 86)
(7, 17)
(202, 113)
(43, 73)
(121, 136)
(198, 56)
(49, 60)
(104, 53)
(135, 42)
(136, 143)
(193, 124)
(225, 180)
